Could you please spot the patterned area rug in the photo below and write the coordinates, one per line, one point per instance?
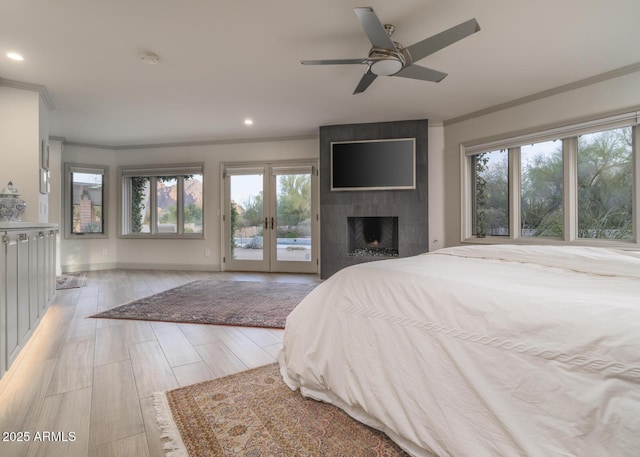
(70, 281)
(254, 413)
(244, 303)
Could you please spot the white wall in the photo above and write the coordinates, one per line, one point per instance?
(436, 186)
(20, 146)
(600, 99)
(54, 201)
(43, 135)
(87, 254)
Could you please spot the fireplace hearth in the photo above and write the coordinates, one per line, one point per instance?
(372, 236)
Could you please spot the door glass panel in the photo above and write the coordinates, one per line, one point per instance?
(247, 217)
(293, 216)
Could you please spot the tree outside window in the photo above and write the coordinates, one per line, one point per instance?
(491, 193)
(605, 184)
(541, 190)
(602, 167)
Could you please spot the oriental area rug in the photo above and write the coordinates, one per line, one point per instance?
(254, 413)
(243, 303)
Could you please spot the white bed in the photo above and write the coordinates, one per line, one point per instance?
(480, 351)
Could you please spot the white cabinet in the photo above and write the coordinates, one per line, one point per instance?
(3, 304)
(11, 296)
(27, 283)
(23, 312)
(34, 301)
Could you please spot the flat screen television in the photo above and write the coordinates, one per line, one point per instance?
(373, 164)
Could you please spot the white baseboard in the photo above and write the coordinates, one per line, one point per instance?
(166, 266)
(87, 267)
(137, 266)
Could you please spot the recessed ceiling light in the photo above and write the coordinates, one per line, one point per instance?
(14, 56)
(248, 122)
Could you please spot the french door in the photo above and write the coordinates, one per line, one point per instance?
(270, 217)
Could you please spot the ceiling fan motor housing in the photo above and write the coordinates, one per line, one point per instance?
(385, 62)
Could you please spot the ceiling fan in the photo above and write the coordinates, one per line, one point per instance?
(390, 58)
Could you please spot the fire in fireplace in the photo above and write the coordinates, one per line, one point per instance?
(373, 236)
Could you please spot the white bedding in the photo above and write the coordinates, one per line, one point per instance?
(480, 351)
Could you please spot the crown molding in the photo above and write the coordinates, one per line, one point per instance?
(42, 90)
(622, 71)
(186, 143)
(46, 98)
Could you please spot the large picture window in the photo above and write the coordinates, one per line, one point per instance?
(162, 201)
(574, 184)
(85, 201)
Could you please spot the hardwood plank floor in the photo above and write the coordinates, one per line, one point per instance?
(93, 379)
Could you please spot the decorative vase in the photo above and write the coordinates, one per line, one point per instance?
(11, 205)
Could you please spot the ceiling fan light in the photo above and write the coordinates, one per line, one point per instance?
(386, 67)
(15, 56)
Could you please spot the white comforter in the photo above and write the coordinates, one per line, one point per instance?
(480, 351)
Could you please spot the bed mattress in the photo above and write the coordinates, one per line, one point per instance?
(479, 351)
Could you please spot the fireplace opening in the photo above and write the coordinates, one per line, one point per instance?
(372, 236)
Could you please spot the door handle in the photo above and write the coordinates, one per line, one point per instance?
(272, 222)
(266, 223)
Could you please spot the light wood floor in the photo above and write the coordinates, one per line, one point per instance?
(95, 377)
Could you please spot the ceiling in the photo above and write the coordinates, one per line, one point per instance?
(224, 61)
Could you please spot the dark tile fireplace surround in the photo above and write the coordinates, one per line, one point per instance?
(363, 226)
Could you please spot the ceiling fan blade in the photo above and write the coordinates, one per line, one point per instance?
(374, 29)
(334, 61)
(421, 73)
(441, 40)
(365, 82)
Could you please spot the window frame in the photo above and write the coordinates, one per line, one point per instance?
(154, 172)
(69, 169)
(568, 135)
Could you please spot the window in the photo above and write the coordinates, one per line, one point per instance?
(573, 184)
(85, 201)
(162, 202)
(491, 193)
(541, 190)
(605, 185)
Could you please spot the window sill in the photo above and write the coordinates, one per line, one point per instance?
(163, 236)
(86, 236)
